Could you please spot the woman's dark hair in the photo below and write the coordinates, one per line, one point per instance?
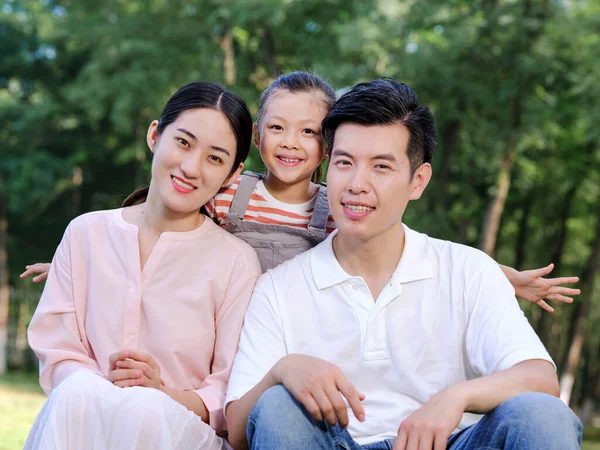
(205, 95)
(298, 82)
(386, 102)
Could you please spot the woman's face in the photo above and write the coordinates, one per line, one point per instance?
(193, 159)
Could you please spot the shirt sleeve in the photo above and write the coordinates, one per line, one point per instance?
(54, 333)
(262, 343)
(498, 334)
(218, 207)
(228, 324)
(210, 208)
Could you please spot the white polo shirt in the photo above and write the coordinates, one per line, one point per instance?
(447, 315)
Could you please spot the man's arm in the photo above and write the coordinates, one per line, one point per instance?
(318, 385)
(504, 355)
(261, 346)
(485, 393)
(238, 411)
(433, 423)
(264, 360)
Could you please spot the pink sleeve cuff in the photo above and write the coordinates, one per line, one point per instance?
(49, 380)
(214, 399)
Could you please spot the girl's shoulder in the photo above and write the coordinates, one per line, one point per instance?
(218, 207)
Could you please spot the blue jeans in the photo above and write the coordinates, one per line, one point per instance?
(527, 421)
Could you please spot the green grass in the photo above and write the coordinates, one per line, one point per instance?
(21, 399)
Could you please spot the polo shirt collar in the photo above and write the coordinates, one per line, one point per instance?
(414, 265)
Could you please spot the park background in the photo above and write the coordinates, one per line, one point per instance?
(514, 85)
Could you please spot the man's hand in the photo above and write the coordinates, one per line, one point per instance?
(530, 286)
(431, 425)
(41, 269)
(129, 368)
(319, 386)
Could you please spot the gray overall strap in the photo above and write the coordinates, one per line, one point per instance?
(242, 195)
(318, 223)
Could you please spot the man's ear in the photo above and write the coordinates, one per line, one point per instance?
(234, 176)
(256, 135)
(420, 180)
(152, 135)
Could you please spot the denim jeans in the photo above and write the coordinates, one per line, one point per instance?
(527, 421)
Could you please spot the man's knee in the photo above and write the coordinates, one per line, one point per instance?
(276, 406)
(534, 407)
(278, 420)
(535, 412)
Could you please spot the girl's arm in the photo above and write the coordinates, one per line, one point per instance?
(41, 269)
(530, 286)
(54, 333)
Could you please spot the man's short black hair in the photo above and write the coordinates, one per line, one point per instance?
(386, 102)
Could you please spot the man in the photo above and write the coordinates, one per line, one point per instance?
(381, 337)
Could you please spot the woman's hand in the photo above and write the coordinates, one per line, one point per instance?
(132, 368)
(41, 269)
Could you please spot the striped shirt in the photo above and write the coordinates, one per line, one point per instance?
(264, 208)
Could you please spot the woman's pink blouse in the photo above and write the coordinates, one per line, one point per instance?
(186, 307)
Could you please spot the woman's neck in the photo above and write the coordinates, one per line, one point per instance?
(296, 193)
(153, 216)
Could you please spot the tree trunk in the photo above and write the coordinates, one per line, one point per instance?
(567, 378)
(491, 226)
(270, 52)
(449, 139)
(4, 291)
(565, 213)
(494, 212)
(569, 331)
(523, 230)
(76, 199)
(551, 325)
(226, 44)
(591, 388)
(140, 154)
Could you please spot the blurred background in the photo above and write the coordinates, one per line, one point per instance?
(514, 85)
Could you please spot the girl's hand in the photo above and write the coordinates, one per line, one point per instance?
(40, 268)
(530, 285)
(132, 368)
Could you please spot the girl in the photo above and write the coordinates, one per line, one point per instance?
(145, 296)
(285, 211)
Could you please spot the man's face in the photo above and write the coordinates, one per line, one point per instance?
(369, 179)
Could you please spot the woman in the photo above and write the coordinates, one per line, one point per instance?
(139, 321)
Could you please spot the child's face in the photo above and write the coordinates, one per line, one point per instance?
(289, 137)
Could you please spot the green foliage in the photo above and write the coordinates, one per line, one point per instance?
(81, 81)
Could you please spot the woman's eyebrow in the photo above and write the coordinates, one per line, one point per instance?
(214, 147)
(220, 149)
(189, 133)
